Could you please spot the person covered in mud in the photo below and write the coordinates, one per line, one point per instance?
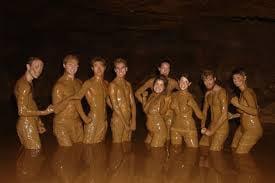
(250, 129)
(164, 69)
(183, 105)
(155, 106)
(95, 90)
(67, 125)
(123, 104)
(216, 99)
(29, 125)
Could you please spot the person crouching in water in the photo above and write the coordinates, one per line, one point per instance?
(183, 105)
(155, 107)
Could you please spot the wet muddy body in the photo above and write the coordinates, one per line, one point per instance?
(133, 162)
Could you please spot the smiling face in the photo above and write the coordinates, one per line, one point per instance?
(159, 86)
(239, 80)
(98, 67)
(184, 83)
(35, 68)
(120, 69)
(71, 66)
(164, 69)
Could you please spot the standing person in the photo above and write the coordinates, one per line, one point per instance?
(68, 127)
(250, 129)
(155, 106)
(29, 125)
(95, 90)
(164, 69)
(123, 104)
(183, 104)
(215, 99)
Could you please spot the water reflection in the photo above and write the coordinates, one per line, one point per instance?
(127, 162)
(29, 164)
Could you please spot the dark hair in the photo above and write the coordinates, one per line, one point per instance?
(69, 57)
(186, 75)
(120, 60)
(162, 78)
(240, 71)
(166, 60)
(206, 73)
(98, 59)
(32, 59)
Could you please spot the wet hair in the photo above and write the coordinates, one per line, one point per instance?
(98, 59)
(70, 57)
(186, 75)
(240, 71)
(207, 73)
(162, 78)
(120, 60)
(32, 59)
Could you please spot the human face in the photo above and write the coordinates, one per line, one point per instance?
(164, 69)
(209, 82)
(120, 69)
(159, 86)
(184, 83)
(35, 68)
(239, 80)
(71, 67)
(98, 68)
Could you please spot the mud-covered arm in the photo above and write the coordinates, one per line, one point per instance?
(251, 109)
(175, 85)
(142, 89)
(58, 101)
(22, 103)
(113, 97)
(81, 112)
(81, 93)
(193, 104)
(204, 111)
(224, 109)
(133, 109)
(165, 104)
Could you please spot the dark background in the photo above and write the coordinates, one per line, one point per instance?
(195, 35)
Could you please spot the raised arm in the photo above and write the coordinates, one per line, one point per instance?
(174, 85)
(143, 88)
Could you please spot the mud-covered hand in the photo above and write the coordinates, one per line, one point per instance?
(41, 127)
(235, 101)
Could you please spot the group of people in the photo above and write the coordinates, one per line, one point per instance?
(168, 105)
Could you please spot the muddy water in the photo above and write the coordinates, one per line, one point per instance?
(134, 162)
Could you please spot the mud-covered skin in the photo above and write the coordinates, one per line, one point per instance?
(250, 129)
(29, 125)
(124, 110)
(183, 105)
(169, 115)
(218, 128)
(68, 127)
